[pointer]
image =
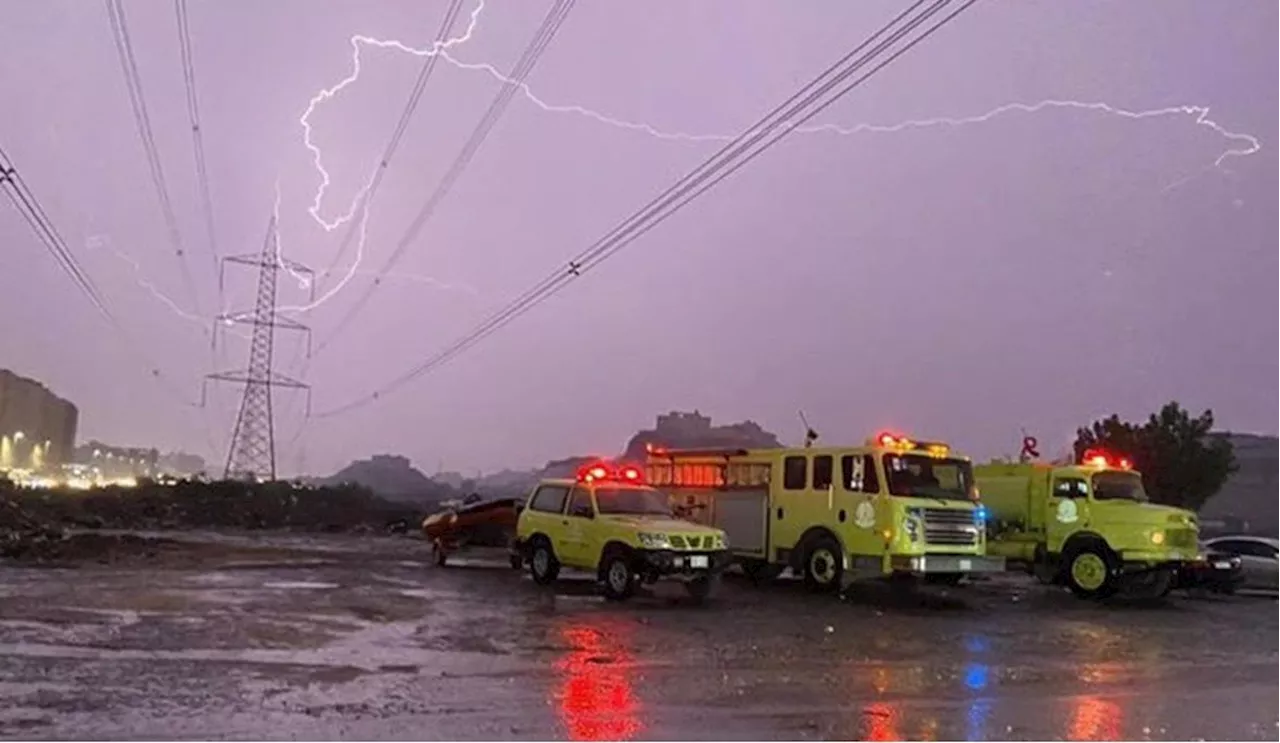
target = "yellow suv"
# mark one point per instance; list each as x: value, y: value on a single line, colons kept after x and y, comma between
x: 608, y: 522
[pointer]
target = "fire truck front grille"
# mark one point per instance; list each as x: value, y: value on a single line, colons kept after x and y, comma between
x: 952, y: 527
x: 1182, y: 538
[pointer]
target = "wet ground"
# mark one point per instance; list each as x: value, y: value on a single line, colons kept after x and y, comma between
x: 345, y: 637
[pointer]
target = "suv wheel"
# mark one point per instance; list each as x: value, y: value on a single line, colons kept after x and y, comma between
x: 619, y: 581
x: 543, y: 565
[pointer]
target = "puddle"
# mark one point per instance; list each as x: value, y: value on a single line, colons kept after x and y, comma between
x: 300, y: 584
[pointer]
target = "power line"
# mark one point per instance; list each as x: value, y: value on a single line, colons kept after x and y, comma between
x: 542, y: 38
x: 787, y: 117
x: 197, y: 136
x: 411, y: 105
x: 26, y: 204
x: 25, y: 201
x: 142, y: 121
x: 551, y: 24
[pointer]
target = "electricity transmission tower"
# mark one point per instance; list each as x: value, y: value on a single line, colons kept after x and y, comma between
x: 252, y: 454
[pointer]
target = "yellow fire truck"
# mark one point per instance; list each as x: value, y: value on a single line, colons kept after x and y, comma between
x: 1088, y: 525
x: 893, y: 506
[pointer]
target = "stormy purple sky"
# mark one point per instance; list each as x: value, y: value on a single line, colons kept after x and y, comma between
x: 959, y: 282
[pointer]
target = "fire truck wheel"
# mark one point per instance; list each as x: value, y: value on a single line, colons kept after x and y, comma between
x: 543, y: 565
x: 823, y: 567
x: 619, y: 581
x: 1090, y: 572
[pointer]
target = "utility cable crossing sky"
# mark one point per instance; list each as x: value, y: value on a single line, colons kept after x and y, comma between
x: 1241, y: 144
x: 445, y: 49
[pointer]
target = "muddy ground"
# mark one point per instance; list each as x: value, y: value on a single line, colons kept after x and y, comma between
x: 278, y: 637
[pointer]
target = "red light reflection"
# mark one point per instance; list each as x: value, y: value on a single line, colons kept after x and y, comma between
x: 880, y: 721
x: 595, y: 698
x: 1094, y: 718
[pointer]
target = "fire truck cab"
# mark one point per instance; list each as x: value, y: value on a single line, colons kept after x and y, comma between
x: 893, y: 506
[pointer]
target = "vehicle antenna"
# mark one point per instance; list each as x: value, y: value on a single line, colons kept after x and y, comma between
x: 810, y: 435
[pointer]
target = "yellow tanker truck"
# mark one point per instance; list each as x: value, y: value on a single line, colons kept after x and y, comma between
x: 1088, y: 525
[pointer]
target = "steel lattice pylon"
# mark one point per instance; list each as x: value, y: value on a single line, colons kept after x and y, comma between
x: 252, y: 454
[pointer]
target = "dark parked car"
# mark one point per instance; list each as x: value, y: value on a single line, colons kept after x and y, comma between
x: 1258, y: 559
x: 1214, y: 571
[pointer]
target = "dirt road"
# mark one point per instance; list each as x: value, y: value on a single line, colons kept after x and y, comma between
x: 345, y: 637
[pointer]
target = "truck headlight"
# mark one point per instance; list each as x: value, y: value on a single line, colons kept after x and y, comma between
x: 654, y: 541
x: 1157, y: 536
x: 912, y: 527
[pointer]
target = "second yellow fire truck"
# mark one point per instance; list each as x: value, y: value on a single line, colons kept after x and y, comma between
x: 893, y: 506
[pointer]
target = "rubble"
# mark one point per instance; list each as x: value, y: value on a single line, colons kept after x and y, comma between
x: 34, y: 521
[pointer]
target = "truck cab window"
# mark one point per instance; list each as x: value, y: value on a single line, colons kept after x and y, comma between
x: 1070, y: 487
x: 858, y: 473
x: 549, y: 499
x: 822, y: 470
x: 795, y: 473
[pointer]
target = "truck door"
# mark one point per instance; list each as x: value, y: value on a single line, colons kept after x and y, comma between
x: 860, y: 478
x: 1067, y: 510
x: 577, y: 527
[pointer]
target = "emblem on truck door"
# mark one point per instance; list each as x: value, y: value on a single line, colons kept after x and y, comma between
x: 1067, y: 513
x: 865, y: 515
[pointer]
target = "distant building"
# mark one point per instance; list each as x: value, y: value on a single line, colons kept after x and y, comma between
x: 119, y: 461
x: 683, y: 430
x: 37, y: 428
x: 1249, y: 501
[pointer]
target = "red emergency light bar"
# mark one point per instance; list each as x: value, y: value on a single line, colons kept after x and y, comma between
x: 606, y: 472
x: 1100, y: 458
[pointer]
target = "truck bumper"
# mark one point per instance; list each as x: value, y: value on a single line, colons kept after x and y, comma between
x: 1153, y: 558
x: 654, y: 564
x: 947, y: 564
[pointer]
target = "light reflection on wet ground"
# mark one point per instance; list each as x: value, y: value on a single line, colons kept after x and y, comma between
x: 361, y: 639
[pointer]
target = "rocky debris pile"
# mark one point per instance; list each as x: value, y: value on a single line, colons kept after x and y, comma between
x: 21, y: 531
x: 30, y: 518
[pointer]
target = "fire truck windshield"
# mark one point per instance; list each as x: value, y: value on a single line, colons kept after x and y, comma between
x: 1112, y: 485
x: 928, y: 477
x: 632, y: 501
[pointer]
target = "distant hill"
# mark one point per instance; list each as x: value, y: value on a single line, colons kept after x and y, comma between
x: 1252, y: 493
x: 393, y: 477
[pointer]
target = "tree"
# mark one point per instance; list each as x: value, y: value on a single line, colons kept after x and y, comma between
x: 1181, y: 462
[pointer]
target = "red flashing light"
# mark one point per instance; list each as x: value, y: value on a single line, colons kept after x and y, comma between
x: 888, y: 439
x: 1100, y: 458
x: 603, y: 471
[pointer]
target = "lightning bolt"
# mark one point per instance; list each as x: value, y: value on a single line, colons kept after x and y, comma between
x: 326, y: 94
x: 1241, y: 144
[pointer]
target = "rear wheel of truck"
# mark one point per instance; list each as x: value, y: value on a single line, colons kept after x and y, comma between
x: 619, y: 581
x: 823, y: 567
x: 543, y: 565
x: 1090, y: 572
x: 703, y: 588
